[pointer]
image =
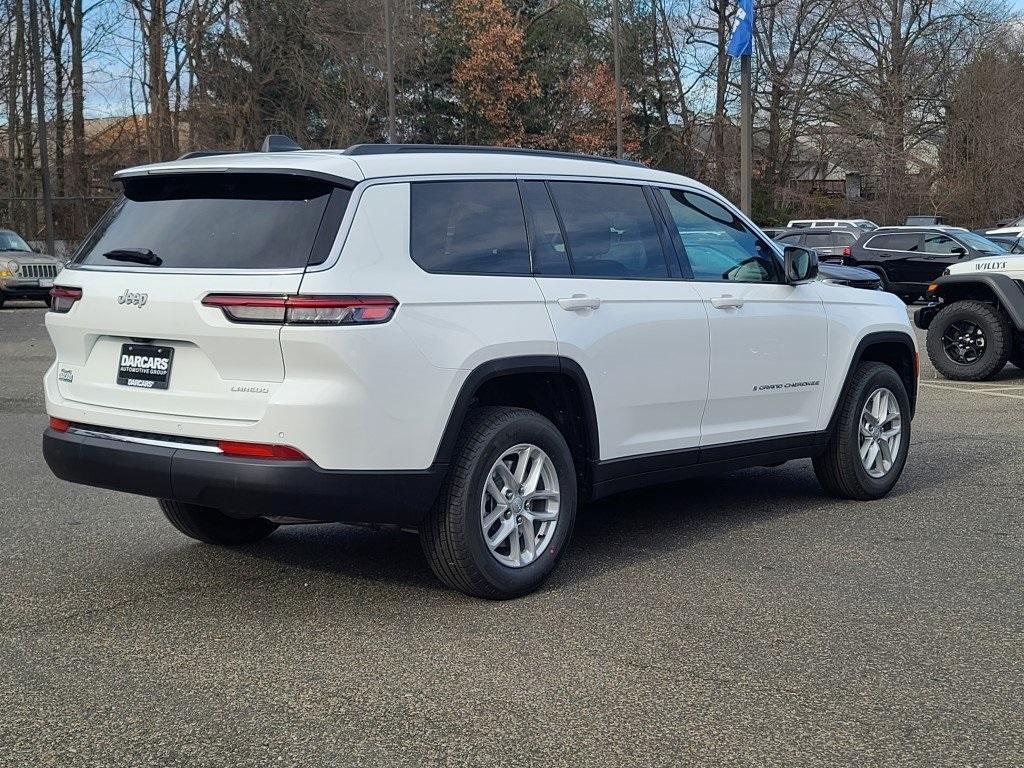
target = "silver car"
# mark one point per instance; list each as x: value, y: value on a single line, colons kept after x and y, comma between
x: 24, y: 274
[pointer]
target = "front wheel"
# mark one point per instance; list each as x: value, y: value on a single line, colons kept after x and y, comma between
x: 507, y: 508
x: 212, y: 526
x: 969, y: 340
x: 867, y: 450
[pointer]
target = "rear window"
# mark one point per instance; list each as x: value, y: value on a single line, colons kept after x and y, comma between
x: 469, y: 227
x: 220, y: 221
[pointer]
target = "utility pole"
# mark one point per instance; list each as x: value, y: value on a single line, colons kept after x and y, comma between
x: 44, y: 146
x: 618, y: 78
x: 389, y: 52
x: 746, y: 133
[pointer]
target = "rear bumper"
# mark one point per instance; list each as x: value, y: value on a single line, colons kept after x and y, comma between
x: 249, y: 487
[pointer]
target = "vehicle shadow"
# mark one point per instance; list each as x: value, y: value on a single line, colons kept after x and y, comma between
x: 610, y: 535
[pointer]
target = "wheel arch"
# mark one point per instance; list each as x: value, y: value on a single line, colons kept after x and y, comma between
x: 999, y: 289
x: 894, y: 348
x: 554, y: 386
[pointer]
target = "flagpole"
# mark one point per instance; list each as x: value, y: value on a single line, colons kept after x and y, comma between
x: 746, y: 135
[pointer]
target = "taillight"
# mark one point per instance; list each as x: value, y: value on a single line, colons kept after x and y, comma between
x: 304, y: 310
x: 259, y: 450
x: 59, y: 425
x: 847, y: 252
x: 63, y: 299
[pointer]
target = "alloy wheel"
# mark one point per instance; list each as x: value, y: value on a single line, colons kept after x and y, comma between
x: 964, y: 342
x: 519, y: 505
x: 881, y: 432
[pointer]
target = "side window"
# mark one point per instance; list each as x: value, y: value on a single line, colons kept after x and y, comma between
x: 611, y: 230
x: 718, y: 245
x: 901, y: 242
x: 789, y: 239
x: 940, y: 244
x: 546, y: 244
x: 468, y: 227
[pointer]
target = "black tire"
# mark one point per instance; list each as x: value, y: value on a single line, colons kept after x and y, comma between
x: 2, y: 299
x: 995, y: 329
x: 839, y: 468
x: 452, y: 536
x: 212, y: 526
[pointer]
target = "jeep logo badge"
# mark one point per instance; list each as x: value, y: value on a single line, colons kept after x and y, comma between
x: 131, y: 297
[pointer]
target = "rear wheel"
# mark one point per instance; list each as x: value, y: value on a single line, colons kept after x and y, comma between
x: 868, y: 447
x: 212, y: 526
x: 969, y: 340
x: 507, y: 509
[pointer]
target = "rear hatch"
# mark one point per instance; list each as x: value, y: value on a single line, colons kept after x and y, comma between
x: 140, y: 339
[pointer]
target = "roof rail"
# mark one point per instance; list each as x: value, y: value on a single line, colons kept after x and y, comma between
x: 208, y: 153
x: 394, y: 149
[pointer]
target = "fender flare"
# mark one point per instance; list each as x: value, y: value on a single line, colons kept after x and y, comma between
x: 1007, y: 291
x: 529, y: 364
x: 869, y: 340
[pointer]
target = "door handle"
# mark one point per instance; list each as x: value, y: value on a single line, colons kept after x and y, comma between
x: 579, y: 301
x: 727, y: 302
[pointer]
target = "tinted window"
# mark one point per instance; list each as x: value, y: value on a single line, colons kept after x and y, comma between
x: 610, y: 229
x: 474, y: 227
x: 791, y: 239
x: 934, y: 243
x: 844, y: 238
x: 546, y: 245
x: 902, y: 242
x: 717, y: 244
x: 818, y: 240
x: 230, y: 221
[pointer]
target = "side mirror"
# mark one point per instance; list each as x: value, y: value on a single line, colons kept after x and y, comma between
x: 959, y: 252
x: 801, y: 264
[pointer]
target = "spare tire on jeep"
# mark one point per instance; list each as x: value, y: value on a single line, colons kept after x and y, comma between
x: 970, y: 340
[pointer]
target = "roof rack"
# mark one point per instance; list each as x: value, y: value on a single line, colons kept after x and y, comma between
x: 395, y: 149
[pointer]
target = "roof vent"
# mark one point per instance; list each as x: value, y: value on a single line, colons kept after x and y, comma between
x: 277, y: 143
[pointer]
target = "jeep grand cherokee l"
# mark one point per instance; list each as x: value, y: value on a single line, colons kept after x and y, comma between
x: 465, y: 342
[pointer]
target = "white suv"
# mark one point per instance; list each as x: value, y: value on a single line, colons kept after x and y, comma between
x: 467, y: 342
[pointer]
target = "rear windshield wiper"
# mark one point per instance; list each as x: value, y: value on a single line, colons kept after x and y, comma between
x: 138, y: 255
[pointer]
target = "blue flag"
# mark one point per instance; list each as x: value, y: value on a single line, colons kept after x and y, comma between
x: 742, y: 41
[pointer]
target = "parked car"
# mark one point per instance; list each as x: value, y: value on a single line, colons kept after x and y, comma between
x: 909, y: 258
x: 1012, y: 243
x: 853, y: 277
x: 976, y: 324
x: 925, y: 220
x: 861, y: 224
x: 384, y: 335
x: 1014, y: 230
x: 24, y: 273
x: 830, y: 243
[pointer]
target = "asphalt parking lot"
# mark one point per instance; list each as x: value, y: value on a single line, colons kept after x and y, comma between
x: 741, y: 620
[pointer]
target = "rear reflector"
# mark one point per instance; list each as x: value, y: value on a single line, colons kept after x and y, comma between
x: 259, y: 450
x: 62, y: 299
x: 304, y: 310
x: 60, y: 425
